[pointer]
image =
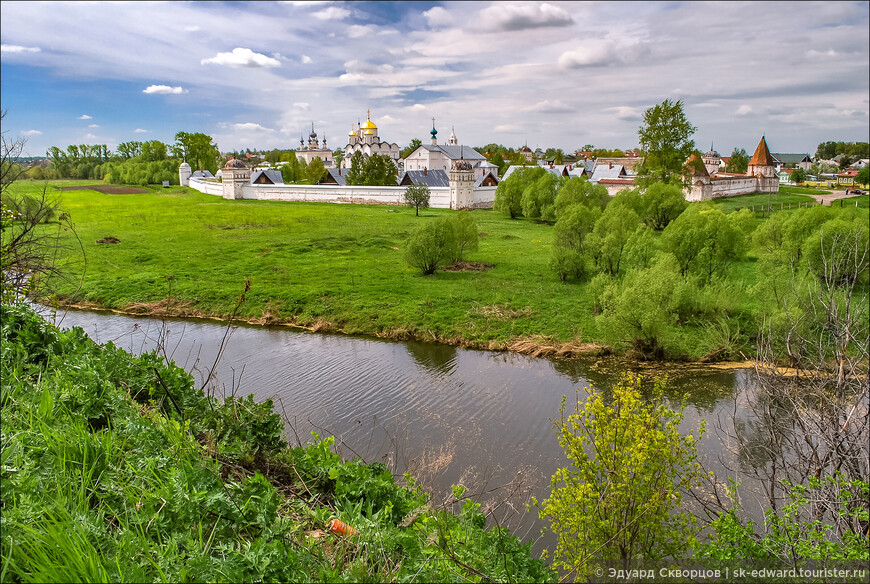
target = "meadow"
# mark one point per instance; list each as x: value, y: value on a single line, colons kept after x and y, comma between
x: 333, y: 267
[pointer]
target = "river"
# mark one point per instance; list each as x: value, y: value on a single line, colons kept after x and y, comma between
x: 447, y: 415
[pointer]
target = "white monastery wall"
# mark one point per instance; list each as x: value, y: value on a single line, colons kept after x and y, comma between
x: 483, y: 197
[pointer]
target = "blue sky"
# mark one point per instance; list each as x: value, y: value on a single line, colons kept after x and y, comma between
x: 561, y: 74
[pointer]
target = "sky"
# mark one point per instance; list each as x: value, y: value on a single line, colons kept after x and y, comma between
x: 546, y: 74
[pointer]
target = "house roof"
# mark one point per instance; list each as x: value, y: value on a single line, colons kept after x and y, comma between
x: 479, y: 181
x: 455, y: 152
x: 274, y: 176
x: 762, y: 155
x: 607, y: 171
x: 202, y: 174
x: 790, y: 158
x: 432, y: 178
x: 629, y: 162
x: 335, y: 175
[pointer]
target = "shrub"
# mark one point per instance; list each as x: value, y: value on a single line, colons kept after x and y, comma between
x: 466, y: 231
x: 431, y: 246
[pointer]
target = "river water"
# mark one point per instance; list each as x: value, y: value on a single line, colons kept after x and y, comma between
x: 447, y: 415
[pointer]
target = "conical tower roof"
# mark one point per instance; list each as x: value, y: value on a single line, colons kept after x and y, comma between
x: 696, y: 165
x: 762, y: 155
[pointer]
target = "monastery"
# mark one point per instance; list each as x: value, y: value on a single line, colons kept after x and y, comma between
x: 365, y: 139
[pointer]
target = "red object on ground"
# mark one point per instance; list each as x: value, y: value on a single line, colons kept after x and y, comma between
x: 340, y: 527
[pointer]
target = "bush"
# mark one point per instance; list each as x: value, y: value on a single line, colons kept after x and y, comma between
x: 431, y: 246
x: 466, y: 231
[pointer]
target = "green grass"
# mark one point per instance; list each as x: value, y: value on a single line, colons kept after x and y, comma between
x: 863, y: 202
x: 788, y: 196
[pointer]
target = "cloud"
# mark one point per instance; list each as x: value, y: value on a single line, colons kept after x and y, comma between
x: 551, y: 107
x: 140, y: 131
x: 18, y: 49
x: 815, y: 54
x: 332, y: 13
x: 164, y: 90
x: 241, y: 57
x: 629, y: 114
x: 523, y: 16
x: 306, y: 59
x: 591, y: 55
x: 32, y: 133
x: 507, y: 128
x: 437, y: 17
x: 418, y: 107
x: 90, y: 136
x: 743, y: 110
x: 94, y: 125
x: 251, y: 127
x: 84, y: 117
x: 304, y: 106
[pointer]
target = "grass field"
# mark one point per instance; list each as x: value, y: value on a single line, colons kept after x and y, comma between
x: 329, y: 267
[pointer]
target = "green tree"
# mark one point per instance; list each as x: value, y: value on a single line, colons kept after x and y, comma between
x: 431, y: 246
x: 197, y: 149
x: 415, y: 143
x: 610, y: 236
x: 539, y: 197
x: 379, y: 170
x: 661, y: 204
x: 314, y: 171
x: 129, y: 150
x: 417, y: 196
x: 665, y: 138
x: 355, y: 174
x: 863, y: 176
x: 570, y: 233
x: 465, y: 230
x: 738, y: 163
x: 619, y: 500
x: 509, y: 193
x: 578, y: 190
x: 798, y: 175
x: 705, y: 241
x: 826, y: 150
x: 152, y: 151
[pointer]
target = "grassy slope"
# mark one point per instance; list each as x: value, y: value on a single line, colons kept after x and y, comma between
x: 332, y: 266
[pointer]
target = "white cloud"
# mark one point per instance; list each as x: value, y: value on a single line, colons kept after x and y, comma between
x: 164, y: 90
x: 306, y: 59
x: 18, y: 49
x: 140, y: 131
x: 84, y: 117
x: 590, y: 55
x: 743, y: 110
x: 242, y: 57
x: 630, y: 114
x: 191, y: 28
x: 332, y: 13
x: 90, y: 136
x: 418, y: 107
x: 520, y: 16
x: 829, y: 53
x: 94, y: 125
x: 32, y: 133
x: 507, y: 128
x: 549, y: 106
x: 251, y: 127
x: 304, y: 106
x: 437, y: 16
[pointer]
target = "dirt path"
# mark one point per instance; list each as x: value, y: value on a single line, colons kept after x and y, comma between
x: 834, y: 196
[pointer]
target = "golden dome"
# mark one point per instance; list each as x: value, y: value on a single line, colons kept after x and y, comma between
x: 369, y: 132
x: 351, y: 133
x: 369, y: 125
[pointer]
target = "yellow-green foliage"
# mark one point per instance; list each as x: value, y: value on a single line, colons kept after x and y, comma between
x: 620, y: 498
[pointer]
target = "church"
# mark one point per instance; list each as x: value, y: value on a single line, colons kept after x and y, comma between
x: 365, y: 139
x: 313, y: 150
x: 435, y: 156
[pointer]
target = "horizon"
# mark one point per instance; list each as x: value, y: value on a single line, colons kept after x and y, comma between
x: 546, y: 74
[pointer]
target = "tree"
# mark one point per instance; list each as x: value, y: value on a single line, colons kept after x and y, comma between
x: 374, y: 170
x: 509, y: 193
x: 578, y: 190
x: 863, y: 176
x: 466, y: 232
x: 798, y: 175
x: 610, y: 236
x: 620, y: 497
x: 431, y: 246
x: 129, y: 150
x: 661, y: 204
x: 705, y: 241
x: 539, y: 197
x: 355, y: 172
x: 152, y: 151
x: 415, y: 143
x: 314, y: 171
x: 417, y: 196
x: 575, y: 223
x: 739, y: 161
x: 197, y: 149
x: 29, y: 248
x: 665, y: 138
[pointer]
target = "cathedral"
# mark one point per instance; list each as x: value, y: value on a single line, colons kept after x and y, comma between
x: 365, y: 139
x: 313, y: 150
